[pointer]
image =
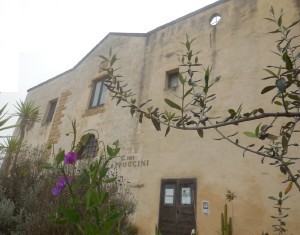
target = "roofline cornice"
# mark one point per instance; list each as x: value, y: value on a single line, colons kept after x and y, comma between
x: 132, y: 35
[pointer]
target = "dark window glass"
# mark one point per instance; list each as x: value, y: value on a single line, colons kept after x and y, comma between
x: 172, y: 79
x: 51, y: 110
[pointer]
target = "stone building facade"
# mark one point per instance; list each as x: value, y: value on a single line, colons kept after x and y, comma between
x: 160, y: 169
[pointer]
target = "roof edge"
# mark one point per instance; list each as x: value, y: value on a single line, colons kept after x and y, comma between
x: 87, y: 55
x: 132, y: 35
x: 188, y: 16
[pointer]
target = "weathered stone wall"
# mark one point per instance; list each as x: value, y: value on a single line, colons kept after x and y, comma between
x: 55, y: 133
x: 238, y: 48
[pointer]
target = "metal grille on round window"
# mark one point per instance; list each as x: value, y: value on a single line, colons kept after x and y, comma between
x: 87, y: 147
x: 91, y: 148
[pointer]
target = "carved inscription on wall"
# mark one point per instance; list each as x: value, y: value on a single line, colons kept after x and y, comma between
x: 130, y: 161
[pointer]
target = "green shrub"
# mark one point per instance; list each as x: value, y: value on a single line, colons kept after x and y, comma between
x: 7, y: 208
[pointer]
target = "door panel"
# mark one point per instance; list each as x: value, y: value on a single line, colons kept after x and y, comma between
x: 177, y: 206
x: 167, y: 216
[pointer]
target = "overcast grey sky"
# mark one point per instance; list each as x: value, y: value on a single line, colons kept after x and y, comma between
x: 43, y: 38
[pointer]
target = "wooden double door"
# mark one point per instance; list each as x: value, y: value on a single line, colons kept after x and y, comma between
x: 177, y: 212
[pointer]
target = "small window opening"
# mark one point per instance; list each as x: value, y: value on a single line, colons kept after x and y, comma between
x: 52, y: 105
x: 215, y: 19
x: 172, y: 79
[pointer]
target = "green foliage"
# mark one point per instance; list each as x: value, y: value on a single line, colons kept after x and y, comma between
x: 226, y: 223
x: 26, y: 202
x: 94, y: 203
x: 172, y: 104
x: 4, y: 119
x: 230, y: 196
x: 280, y: 226
x: 28, y: 193
x: 10, y: 148
x: 28, y: 114
x: 11, y: 145
x: 286, y: 79
x: 157, y: 232
x: 91, y: 205
x: 7, y: 208
x: 285, y: 75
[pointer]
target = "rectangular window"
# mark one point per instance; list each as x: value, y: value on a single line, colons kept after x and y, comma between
x: 99, y: 93
x: 51, y: 110
x: 169, y: 194
x: 186, y: 196
x: 172, y: 79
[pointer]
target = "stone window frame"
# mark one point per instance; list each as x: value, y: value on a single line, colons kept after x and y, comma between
x: 50, y: 111
x: 169, y: 77
x: 87, y: 141
x: 100, y: 77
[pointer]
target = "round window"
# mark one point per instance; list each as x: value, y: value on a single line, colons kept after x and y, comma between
x: 215, y: 19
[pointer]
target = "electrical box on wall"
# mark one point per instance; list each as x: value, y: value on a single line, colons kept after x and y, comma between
x: 205, y: 207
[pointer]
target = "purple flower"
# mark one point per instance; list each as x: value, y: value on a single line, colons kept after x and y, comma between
x: 60, y: 185
x: 70, y: 158
x: 55, y: 191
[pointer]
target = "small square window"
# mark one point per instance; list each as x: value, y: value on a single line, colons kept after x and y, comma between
x: 51, y: 109
x: 172, y: 79
x: 99, y: 93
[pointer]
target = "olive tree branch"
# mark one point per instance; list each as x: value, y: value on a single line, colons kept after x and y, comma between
x: 240, y: 120
x: 274, y: 157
